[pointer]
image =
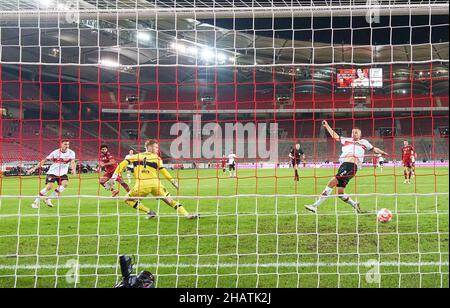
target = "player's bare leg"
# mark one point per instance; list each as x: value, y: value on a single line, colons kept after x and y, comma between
x: 408, y: 175
x: 47, y: 200
x: 56, y: 193
x: 114, y: 191
x: 124, y: 185
x: 42, y: 196
x: 405, y: 175
x: 325, y: 194
x: 413, y: 167
x: 179, y: 208
x: 346, y: 198
x: 296, y: 177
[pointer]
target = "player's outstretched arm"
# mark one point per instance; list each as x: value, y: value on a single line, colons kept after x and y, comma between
x: 379, y: 151
x: 166, y: 174
x: 414, y: 155
x: 332, y: 133
x: 123, y: 164
x: 39, y: 165
x: 73, y: 165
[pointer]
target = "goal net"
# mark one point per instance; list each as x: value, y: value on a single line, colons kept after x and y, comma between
x: 227, y: 89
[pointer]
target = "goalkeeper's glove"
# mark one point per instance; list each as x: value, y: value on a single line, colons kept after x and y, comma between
x: 175, y: 184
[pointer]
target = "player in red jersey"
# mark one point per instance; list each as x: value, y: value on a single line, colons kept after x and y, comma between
x: 409, y: 159
x: 224, y: 164
x: 108, y: 162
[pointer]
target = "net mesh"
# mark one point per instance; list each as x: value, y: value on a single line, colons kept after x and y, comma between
x: 207, y: 78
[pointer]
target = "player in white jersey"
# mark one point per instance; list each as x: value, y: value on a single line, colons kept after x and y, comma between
x: 57, y: 173
x: 380, y: 161
x: 353, y: 151
x: 232, y: 164
x: 130, y: 167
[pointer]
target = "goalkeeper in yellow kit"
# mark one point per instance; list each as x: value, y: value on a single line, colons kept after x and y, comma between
x: 148, y: 167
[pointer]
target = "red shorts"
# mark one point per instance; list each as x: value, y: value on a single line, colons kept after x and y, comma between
x: 407, y: 163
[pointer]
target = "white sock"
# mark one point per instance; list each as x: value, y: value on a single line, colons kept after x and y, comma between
x: 326, y: 192
x: 347, y: 199
x: 42, y: 193
x: 58, y: 191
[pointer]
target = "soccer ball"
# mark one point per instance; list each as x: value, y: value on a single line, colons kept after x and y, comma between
x: 384, y: 215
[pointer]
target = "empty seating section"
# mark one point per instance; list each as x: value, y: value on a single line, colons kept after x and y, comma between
x: 33, y: 139
x: 230, y: 97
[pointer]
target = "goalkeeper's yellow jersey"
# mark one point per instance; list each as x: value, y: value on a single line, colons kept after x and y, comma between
x: 146, y: 166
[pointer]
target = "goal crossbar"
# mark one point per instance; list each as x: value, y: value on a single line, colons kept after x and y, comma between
x: 239, y: 12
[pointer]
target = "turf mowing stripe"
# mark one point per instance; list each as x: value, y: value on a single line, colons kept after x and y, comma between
x: 236, y: 196
x: 226, y: 265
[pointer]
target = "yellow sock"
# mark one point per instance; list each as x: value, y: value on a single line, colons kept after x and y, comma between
x: 180, y: 209
x: 137, y: 205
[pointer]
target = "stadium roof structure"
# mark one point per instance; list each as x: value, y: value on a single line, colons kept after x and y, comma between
x: 250, y: 47
x: 240, y: 8
x: 136, y: 40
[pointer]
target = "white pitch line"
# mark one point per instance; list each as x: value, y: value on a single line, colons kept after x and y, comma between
x: 223, y: 265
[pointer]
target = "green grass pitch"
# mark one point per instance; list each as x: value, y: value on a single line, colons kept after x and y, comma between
x: 246, y: 241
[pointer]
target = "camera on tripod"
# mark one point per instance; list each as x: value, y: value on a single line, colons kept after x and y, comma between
x: 132, y: 99
x: 145, y: 280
